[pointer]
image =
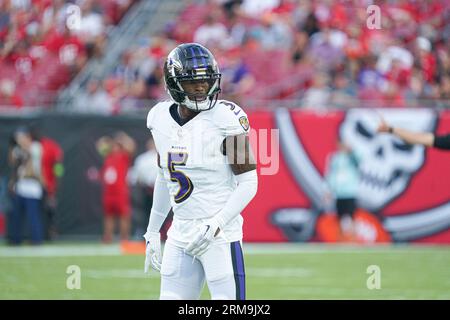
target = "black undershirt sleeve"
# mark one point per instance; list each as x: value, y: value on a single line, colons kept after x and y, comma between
x: 442, y: 142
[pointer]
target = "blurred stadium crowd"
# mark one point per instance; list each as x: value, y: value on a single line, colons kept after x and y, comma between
x: 316, y: 54
x: 40, y: 53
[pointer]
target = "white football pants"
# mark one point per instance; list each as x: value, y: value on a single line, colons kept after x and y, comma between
x: 222, y: 266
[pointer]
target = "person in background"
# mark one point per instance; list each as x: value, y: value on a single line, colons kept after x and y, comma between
x: 117, y: 151
x: 237, y: 78
x: 52, y: 169
x: 342, y: 177
x: 427, y: 139
x: 95, y: 99
x: 143, y: 175
x: 26, y: 185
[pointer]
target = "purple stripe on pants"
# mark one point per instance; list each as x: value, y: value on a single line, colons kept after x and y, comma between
x: 240, y: 270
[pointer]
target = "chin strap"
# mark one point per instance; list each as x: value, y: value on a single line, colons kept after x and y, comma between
x: 212, y: 99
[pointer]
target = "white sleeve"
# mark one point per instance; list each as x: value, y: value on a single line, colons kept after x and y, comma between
x: 161, y: 205
x: 230, y: 119
x: 150, y: 118
x: 239, y: 198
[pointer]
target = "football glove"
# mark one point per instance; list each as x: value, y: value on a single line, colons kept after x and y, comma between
x: 208, y: 230
x: 153, y: 252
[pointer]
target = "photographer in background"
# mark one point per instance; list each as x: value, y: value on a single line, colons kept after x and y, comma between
x: 26, y: 186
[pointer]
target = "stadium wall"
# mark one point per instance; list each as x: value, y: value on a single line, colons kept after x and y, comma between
x: 406, y: 197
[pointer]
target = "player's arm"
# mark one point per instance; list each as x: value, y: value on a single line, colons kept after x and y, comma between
x: 158, y: 214
x: 243, y: 165
x: 424, y: 138
x: 241, y: 158
x: 161, y: 204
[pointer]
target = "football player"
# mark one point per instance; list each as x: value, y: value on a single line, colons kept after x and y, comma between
x: 207, y: 176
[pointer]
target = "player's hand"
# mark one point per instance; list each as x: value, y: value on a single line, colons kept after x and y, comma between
x: 153, y: 252
x: 208, y: 230
x: 382, y: 126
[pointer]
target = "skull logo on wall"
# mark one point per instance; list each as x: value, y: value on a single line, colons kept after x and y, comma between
x: 388, y: 163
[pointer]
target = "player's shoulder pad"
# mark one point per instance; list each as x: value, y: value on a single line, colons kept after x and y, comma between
x: 230, y: 118
x: 156, y: 111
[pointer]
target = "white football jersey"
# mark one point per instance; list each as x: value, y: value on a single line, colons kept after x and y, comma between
x: 198, y: 175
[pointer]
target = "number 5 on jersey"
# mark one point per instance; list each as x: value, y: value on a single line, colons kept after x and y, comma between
x: 186, y: 186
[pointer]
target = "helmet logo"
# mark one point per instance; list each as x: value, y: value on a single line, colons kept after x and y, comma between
x: 174, y: 64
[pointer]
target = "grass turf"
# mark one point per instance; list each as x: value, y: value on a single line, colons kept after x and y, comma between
x: 286, y: 271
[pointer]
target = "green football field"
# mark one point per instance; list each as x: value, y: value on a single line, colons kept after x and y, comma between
x: 274, y: 271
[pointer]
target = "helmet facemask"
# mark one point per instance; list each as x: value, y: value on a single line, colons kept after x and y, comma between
x: 200, y: 101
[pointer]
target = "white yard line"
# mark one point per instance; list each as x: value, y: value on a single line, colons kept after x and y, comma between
x: 60, y: 251
x: 319, y: 248
x: 278, y: 272
x: 251, y: 272
x: 68, y: 250
x: 119, y: 273
x: 321, y: 292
